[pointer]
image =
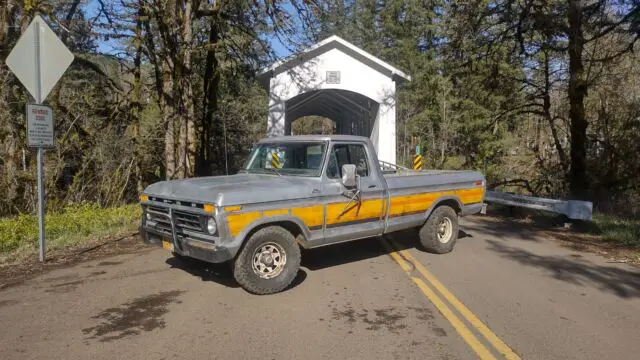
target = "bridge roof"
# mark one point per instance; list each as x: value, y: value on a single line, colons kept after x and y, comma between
x: 327, y: 44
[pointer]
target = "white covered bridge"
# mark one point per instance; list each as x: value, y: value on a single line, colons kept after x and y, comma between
x: 337, y: 80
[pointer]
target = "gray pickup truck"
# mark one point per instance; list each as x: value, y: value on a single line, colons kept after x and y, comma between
x: 307, y: 191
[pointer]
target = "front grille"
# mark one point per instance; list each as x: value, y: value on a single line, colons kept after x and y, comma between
x: 160, y: 216
x: 188, y: 221
x: 183, y: 220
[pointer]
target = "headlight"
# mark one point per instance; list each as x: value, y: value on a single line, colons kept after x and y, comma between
x: 212, y: 227
x: 148, y: 216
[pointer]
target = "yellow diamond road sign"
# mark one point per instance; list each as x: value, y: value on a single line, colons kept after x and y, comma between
x: 51, y: 58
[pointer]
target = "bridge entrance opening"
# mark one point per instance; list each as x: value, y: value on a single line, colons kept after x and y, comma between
x: 351, y: 113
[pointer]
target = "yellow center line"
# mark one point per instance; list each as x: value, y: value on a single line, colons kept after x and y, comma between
x: 466, y: 334
x: 493, y: 339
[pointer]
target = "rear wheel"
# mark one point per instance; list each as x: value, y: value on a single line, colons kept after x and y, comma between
x: 268, y: 262
x: 440, y: 233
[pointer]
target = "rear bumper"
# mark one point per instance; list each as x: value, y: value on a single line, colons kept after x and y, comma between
x: 202, y: 250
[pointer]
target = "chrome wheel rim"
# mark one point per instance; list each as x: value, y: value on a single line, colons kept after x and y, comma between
x: 445, y: 230
x: 269, y: 260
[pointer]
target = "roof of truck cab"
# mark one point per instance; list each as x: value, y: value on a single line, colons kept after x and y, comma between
x: 315, y: 138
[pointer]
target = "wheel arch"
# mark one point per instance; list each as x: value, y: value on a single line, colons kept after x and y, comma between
x: 290, y: 223
x: 451, y: 201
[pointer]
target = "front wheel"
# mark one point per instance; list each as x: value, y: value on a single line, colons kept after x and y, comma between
x: 440, y: 233
x: 268, y: 262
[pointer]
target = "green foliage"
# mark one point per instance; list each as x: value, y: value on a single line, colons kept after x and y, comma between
x: 615, y: 231
x: 72, y: 225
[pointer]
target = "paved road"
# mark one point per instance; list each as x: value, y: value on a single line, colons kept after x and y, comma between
x: 503, y: 292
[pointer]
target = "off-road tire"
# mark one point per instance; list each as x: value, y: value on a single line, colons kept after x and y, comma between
x: 243, y: 271
x: 429, y: 231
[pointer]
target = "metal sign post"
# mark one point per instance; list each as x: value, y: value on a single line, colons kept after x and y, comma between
x: 39, y: 77
x: 41, y: 237
x: 40, y: 134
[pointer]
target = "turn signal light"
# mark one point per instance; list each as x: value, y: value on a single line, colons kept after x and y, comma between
x: 209, y: 208
x: 144, y: 198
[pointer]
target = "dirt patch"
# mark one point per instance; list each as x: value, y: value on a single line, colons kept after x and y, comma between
x: 389, y: 319
x: 62, y: 278
x: 7, y: 302
x: 15, y: 273
x: 134, y: 317
x: 109, y: 263
x: 64, y: 287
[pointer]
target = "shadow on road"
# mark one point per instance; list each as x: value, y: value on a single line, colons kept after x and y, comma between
x: 340, y: 254
x: 501, y: 227
x: 615, y: 280
x: 313, y: 259
x: 218, y: 273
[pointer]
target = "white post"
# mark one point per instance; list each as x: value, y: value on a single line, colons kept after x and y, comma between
x: 384, y: 133
x: 276, y: 121
x: 41, y: 237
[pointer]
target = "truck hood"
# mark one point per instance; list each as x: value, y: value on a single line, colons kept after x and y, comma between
x: 235, y: 189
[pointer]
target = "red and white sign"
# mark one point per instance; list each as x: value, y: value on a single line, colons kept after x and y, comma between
x: 40, y: 126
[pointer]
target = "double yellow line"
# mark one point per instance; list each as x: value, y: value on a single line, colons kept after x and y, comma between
x: 408, y: 263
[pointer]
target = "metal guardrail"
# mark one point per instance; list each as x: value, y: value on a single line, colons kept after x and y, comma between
x: 573, y: 209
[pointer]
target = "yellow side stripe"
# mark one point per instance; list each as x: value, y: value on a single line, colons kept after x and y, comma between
x: 313, y: 216
x: 276, y: 212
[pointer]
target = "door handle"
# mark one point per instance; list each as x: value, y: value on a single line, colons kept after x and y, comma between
x: 315, y: 191
x: 371, y: 186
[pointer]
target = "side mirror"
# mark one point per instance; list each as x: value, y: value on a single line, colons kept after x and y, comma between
x: 349, y: 175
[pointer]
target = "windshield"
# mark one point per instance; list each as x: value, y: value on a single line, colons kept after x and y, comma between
x: 294, y: 158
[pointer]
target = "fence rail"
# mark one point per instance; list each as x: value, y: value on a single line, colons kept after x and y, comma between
x: 573, y: 209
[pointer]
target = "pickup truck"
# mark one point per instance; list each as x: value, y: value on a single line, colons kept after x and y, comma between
x: 303, y: 191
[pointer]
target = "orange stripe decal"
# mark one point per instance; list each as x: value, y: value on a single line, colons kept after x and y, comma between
x: 367, y: 209
x: 311, y: 216
x: 237, y: 222
x: 275, y: 212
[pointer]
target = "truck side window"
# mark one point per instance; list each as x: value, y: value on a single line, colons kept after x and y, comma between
x: 332, y: 170
x: 359, y: 159
x: 342, y: 154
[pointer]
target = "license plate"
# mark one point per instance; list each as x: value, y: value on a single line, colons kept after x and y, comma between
x: 167, y: 245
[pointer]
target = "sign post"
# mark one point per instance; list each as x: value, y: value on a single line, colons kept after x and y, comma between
x: 417, y: 159
x: 38, y: 60
x: 40, y: 134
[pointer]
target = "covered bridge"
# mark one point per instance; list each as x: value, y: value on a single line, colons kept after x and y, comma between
x: 337, y: 80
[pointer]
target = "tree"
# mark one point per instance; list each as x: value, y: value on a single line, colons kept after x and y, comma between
x: 582, y: 25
